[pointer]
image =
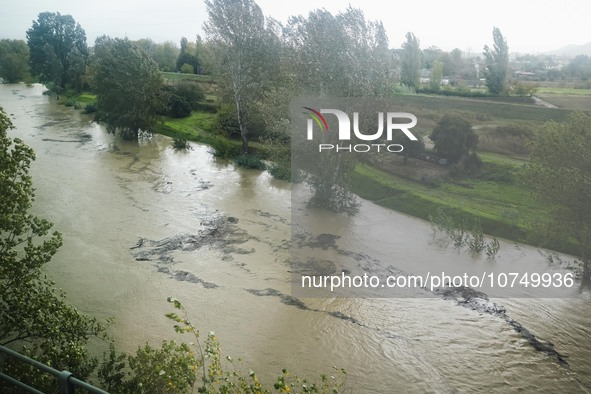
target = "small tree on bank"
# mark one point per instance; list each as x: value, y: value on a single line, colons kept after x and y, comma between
x: 14, y: 61
x: 128, y: 87
x: 243, y: 51
x: 559, y: 172
x: 454, y: 137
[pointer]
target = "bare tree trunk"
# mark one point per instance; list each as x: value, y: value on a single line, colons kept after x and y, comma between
x: 243, y: 131
x: 244, y: 141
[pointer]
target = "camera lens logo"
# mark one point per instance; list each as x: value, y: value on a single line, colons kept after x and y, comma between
x: 344, y: 130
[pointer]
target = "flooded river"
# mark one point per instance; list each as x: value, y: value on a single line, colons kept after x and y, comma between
x: 113, y: 200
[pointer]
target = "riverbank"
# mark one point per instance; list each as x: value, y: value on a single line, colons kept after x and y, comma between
x: 504, y: 208
x: 495, y: 196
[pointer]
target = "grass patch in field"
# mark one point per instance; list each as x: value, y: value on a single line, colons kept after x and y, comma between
x: 563, y: 91
x: 201, y: 127
x: 198, y: 127
x: 172, y: 76
x: 85, y: 98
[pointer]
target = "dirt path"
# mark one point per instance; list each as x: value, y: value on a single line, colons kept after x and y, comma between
x: 543, y: 103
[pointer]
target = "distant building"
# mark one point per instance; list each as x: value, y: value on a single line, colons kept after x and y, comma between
x: 524, y: 75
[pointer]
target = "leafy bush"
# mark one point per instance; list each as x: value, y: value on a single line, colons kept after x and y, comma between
x: 454, y: 137
x: 278, y: 152
x: 187, y: 69
x: 472, y: 163
x: 228, y: 121
x: 179, y: 107
x: 90, y: 108
x: 190, y: 91
x: 71, y: 102
x: 467, y: 233
x: 250, y: 161
x: 497, y: 173
x: 178, y: 368
x: 180, y: 143
x: 524, y: 89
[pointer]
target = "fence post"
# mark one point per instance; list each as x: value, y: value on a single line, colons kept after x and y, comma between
x: 64, y: 385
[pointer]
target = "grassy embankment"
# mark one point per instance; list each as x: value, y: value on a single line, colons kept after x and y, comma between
x: 496, y: 196
x: 200, y: 126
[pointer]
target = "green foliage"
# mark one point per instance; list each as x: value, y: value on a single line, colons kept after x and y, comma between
x: 180, y: 144
x: 228, y: 122
x: 224, y: 148
x: 187, y: 56
x: 169, y: 369
x: 34, y: 317
x: 246, y: 54
x: 14, y: 61
x: 559, y: 172
x: 90, y: 108
x: 178, y: 368
x: 503, y: 210
x: 467, y: 233
x: 165, y: 55
x: 330, y: 189
x: 402, y: 89
x: 524, y: 89
x: 179, y: 107
x: 200, y: 127
x: 250, y: 161
x: 453, y: 137
x: 411, y: 62
x: 280, y: 157
x: 497, y: 64
x: 436, y: 75
x: 579, y: 67
x: 71, y: 102
x: 472, y: 163
x: 339, y: 55
x: 58, y: 50
x: 128, y: 87
x: 190, y: 91
x: 498, y: 173
x: 187, y: 69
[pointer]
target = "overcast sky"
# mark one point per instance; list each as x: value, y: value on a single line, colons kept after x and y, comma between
x: 528, y: 26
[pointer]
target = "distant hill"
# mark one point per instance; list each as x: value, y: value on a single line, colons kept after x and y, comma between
x: 572, y: 50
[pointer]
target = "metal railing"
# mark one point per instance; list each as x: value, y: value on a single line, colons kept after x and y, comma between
x: 67, y: 383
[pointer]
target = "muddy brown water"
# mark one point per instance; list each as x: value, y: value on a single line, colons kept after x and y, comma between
x: 106, y: 195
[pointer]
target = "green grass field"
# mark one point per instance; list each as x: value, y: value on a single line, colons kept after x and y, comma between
x: 172, y: 76
x: 563, y: 91
x: 504, y: 209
